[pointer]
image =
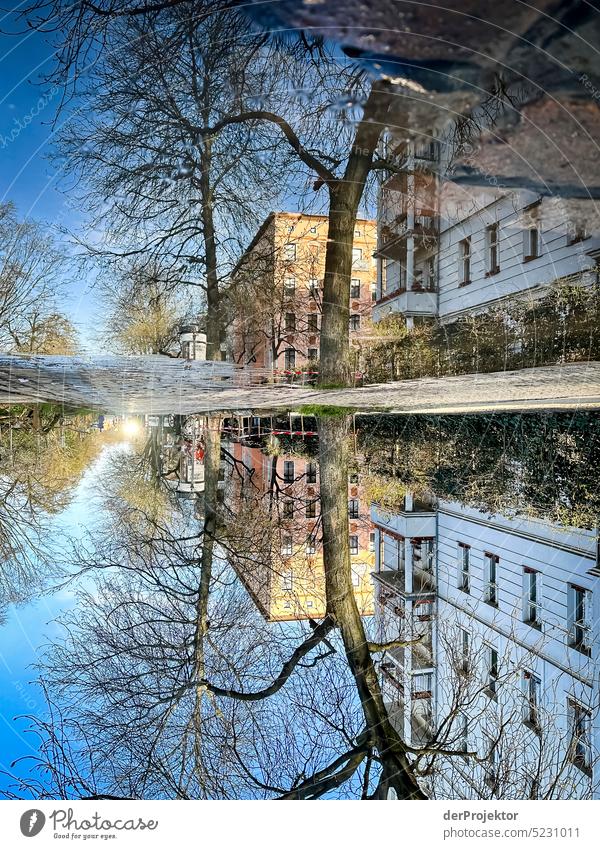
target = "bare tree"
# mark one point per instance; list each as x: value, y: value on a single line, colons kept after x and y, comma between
x: 143, y: 309
x: 178, y: 195
x: 32, y: 279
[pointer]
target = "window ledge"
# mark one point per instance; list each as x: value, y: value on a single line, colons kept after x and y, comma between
x: 464, y: 283
x: 493, y: 271
x: 535, y: 624
x: 586, y: 770
x: 491, y: 694
x: 585, y: 650
x: 531, y: 258
x: 493, y: 604
x: 533, y: 726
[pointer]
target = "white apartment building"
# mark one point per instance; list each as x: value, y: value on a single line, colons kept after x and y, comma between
x: 507, y: 667
x: 445, y: 250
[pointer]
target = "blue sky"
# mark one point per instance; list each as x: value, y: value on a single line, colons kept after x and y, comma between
x: 28, y: 108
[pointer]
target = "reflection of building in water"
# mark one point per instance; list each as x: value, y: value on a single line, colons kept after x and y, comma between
x: 445, y: 250
x: 182, y: 454
x: 507, y: 665
x: 276, y: 499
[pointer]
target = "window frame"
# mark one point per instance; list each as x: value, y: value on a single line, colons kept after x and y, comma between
x: 491, y: 564
x: 290, y: 252
x: 492, y: 249
x: 465, y: 248
x: 289, y: 359
x: 463, y: 563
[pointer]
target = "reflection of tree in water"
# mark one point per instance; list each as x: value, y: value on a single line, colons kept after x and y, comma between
x: 542, y: 465
x: 41, y: 464
x: 169, y: 684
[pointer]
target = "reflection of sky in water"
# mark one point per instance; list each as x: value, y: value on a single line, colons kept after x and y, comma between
x: 30, y: 627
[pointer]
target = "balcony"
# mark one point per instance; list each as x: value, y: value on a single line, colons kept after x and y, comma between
x: 403, y: 302
x: 421, y: 704
x: 394, y: 231
x: 423, y: 583
x: 420, y: 521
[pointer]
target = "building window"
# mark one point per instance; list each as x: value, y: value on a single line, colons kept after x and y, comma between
x: 580, y: 724
x: 355, y: 579
x: 491, y: 763
x: 311, y: 472
x: 532, y: 688
x: 577, y: 233
x: 491, y: 680
x: 289, y: 358
x: 312, y: 322
x: 356, y: 254
x: 490, y: 562
x: 532, y: 597
x: 373, y: 291
x: 355, y: 321
x: 464, y: 650
x: 372, y: 541
x: 400, y: 554
x: 431, y: 281
x: 422, y: 554
x: 492, y: 255
x: 313, y: 229
x: 288, y: 471
x: 311, y: 545
x: 309, y: 604
x: 463, y: 732
x: 463, y: 562
x: 289, y: 252
x: 313, y: 285
x: 353, y: 544
x: 290, y: 286
x: 355, y: 288
x: 313, y: 354
x: 290, y: 322
x: 287, y: 548
x: 353, y: 508
x: 288, y: 509
x: 531, y: 243
x: 464, y: 261
x: 579, y: 602
x: 311, y: 508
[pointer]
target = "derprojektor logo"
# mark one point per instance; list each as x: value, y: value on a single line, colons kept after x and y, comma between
x: 32, y: 822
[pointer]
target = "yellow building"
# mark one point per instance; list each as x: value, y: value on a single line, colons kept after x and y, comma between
x: 276, y: 293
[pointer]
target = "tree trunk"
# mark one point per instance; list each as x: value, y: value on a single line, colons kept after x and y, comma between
x: 335, y: 334
x: 334, y: 435
x: 212, y: 462
x: 345, y: 196
x: 214, y: 328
